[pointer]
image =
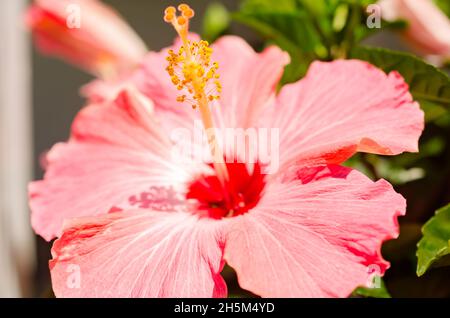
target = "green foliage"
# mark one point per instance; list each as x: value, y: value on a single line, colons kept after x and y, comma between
x: 429, y: 86
x: 444, y: 5
x: 380, y: 292
x: 434, y: 248
x: 290, y: 28
x: 308, y: 29
x: 216, y: 21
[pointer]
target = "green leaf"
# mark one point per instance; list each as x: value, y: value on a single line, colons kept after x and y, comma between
x: 279, y: 5
x: 292, y: 31
x: 380, y: 292
x: 433, y: 111
x: 216, y: 21
x: 429, y: 86
x: 307, y: 29
x: 434, y: 247
x: 444, y: 5
x: 340, y: 18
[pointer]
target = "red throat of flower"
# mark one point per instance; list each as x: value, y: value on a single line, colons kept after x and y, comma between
x: 242, y: 191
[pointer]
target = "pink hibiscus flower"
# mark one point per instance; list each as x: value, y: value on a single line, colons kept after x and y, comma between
x: 86, y: 33
x: 133, y: 220
x: 428, y: 27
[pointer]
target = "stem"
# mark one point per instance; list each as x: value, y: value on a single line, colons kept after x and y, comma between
x: 349, y: 39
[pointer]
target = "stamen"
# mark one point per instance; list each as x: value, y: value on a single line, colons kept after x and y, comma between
x: 193, y: 74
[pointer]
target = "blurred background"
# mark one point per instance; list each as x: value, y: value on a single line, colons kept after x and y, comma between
x: 39, y: 99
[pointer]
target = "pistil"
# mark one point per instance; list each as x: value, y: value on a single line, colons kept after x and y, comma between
x: 192, y: 71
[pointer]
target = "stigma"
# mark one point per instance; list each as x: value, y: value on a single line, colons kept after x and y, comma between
x: 190, y: 67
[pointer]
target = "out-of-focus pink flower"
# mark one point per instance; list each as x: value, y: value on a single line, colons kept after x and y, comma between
x: 313, y: 229
x: 428, y: 27
x: 86, y: 33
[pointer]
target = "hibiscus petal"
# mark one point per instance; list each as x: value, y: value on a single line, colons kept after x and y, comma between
x: 317, y: 233
x: 152, y: 80
x: 103, y: 44
x: 428, y: 27
x: 342, y: 107
x: 129, y: 121
x: 139, y: 254
x: 116, y: 151
x: 249, y: 79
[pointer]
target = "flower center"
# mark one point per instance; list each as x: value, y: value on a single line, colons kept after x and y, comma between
x: 241, y: 193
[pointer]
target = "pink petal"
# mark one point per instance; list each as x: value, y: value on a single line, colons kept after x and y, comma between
x: 139, y: 254
x: 428, y: 27
x: 249, y: 79
x: 116, y: 152
x: 103, y: 45
x: 129, y: 121
x: 152, y: 80
x: 342, y: 107
x: 317, y: 233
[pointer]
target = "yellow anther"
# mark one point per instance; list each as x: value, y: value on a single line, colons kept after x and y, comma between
x: 190, y: 67
x: 175, y: 80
